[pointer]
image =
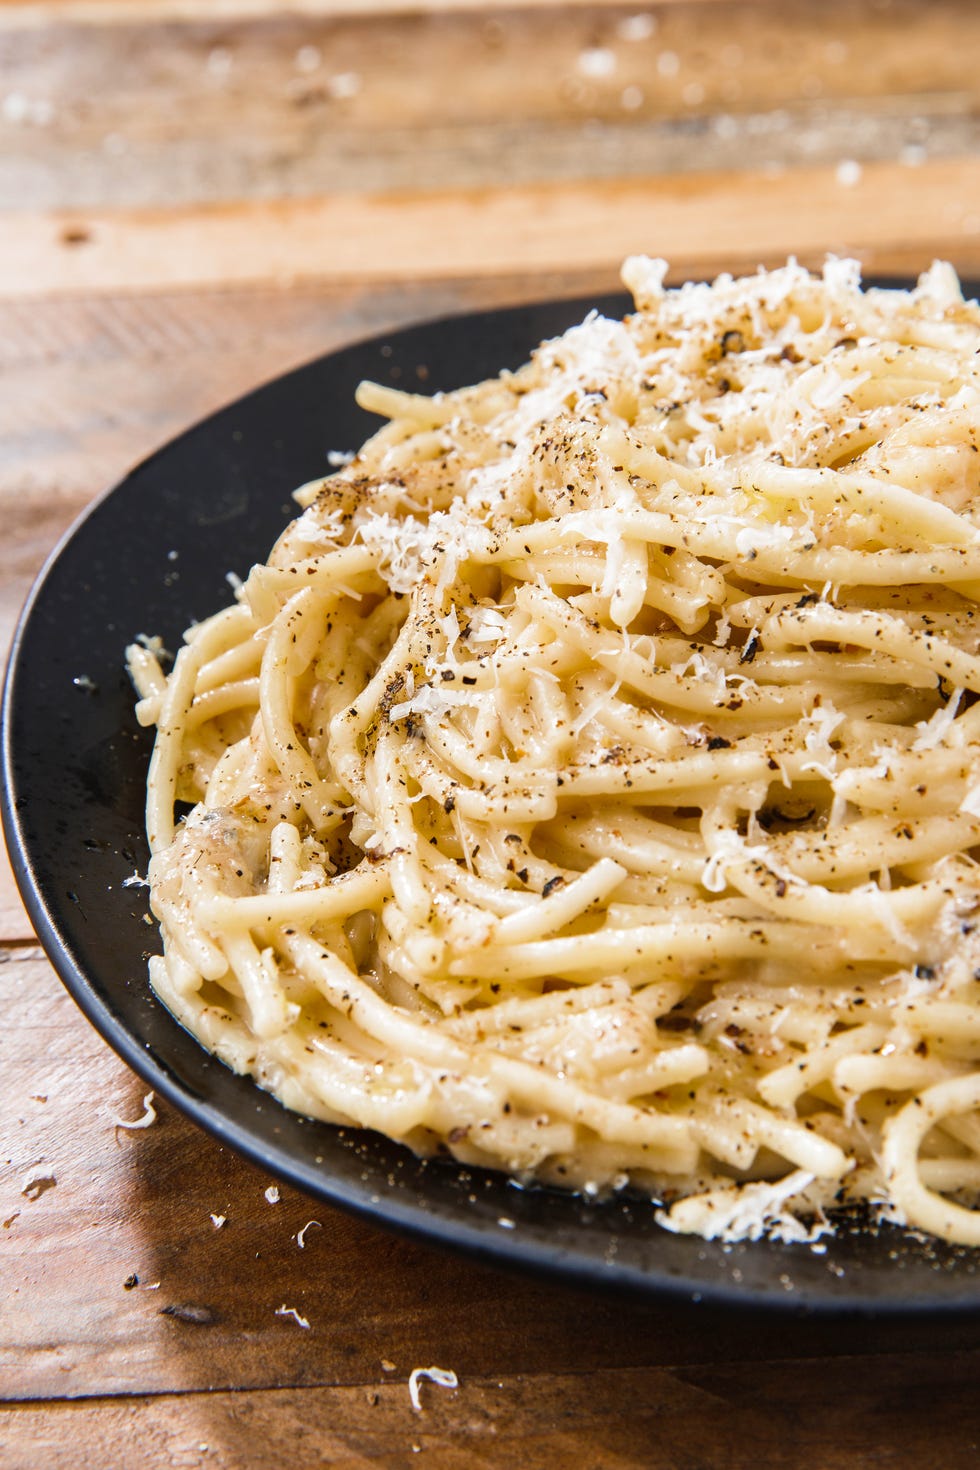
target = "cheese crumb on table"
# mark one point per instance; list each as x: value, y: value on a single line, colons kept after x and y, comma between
x: 444, y: 1377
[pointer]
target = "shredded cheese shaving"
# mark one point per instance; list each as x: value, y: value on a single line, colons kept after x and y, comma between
x: 148, y: 1116
x: 444, y: 1377
x: 301, y: 1234
x: 285, y: 1311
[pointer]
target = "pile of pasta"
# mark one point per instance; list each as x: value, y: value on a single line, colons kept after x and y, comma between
x: 589, y: 784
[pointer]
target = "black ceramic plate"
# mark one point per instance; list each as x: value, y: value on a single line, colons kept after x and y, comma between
x: 151, y: 557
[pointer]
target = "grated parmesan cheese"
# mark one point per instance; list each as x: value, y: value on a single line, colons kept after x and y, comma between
x: 285, y: 1311
x: 933, y: 732
x: 147, y: 1117
x: 444, y: 1377
x: 301, y: 1234
x: 36, y: 1183
x: 819, y: 726
x: 746, y: 1212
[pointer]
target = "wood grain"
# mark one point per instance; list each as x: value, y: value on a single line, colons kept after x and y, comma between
x: 121, y: 12
x: 763, y: 1417
x: 717, y: 219
x: 287, y: 105
x: 15, y: 926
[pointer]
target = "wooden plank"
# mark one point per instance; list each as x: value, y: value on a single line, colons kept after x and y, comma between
x: 15, y: 926
x: 163, y: 114
x: 72, y: 172
x: 124, y: 12
x: 141, y: 1204
x: 762, y: 1416
x: 327, y: 157
x: 725, y: 218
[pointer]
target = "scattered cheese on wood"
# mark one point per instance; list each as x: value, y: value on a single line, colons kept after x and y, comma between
x: 444, y: 1377
x: 285, y: 1311
x: 34, y: 1185
x: 149, y: 1116
x: 301, y: 1234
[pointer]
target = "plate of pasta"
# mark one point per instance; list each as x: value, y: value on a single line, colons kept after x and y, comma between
x: 563, y: 843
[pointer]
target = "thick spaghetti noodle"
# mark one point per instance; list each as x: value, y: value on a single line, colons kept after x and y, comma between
x: 589, y: 784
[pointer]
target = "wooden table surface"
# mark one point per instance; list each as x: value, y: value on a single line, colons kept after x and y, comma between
x: 194, y: 197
